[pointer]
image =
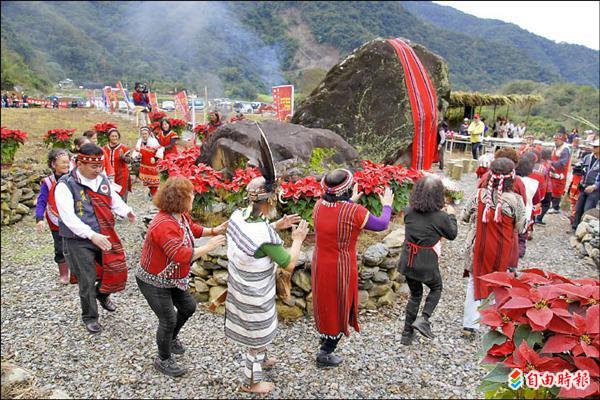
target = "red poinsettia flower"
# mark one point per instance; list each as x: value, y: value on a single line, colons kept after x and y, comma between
x: 305, y: 187
x: 585, y: 338
x: 156, y: 116
x: 242, y: 178
x: 526, y: 359
x: 104, y: 127
x: 502, y: 350
x: 14, y: 135
x: 494, y: 318
x: 58, y: 135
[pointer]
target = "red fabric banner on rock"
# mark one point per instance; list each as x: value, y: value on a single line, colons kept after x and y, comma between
x: 423, y: 102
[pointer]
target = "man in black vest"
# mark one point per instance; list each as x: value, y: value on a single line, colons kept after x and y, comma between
x: 589, y: 187
x: 85, y: 204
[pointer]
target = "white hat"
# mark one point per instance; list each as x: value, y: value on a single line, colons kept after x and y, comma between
x: 595, y: 143
x: 588, y: 131
x: 466, y: 119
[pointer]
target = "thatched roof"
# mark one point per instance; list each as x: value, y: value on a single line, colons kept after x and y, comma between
x: 476, y: 99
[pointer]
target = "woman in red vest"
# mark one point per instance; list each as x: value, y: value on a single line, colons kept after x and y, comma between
x: 500, y: 215
x: 114, y: 154
x: 149, y: 152
x: 58, y: 161
x: 338, y: 222
x: 167, y: 138
x: 561, y: 158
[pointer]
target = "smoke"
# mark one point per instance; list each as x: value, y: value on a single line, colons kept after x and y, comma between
x: 203, y: 38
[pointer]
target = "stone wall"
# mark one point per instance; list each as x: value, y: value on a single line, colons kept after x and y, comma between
x: 587, y: 237
x: 19, y: 190
x: 379, y: 282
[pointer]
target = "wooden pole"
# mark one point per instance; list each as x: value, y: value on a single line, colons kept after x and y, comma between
x: 494, y: 117
x: 507, y: 108
x: 205, y: 104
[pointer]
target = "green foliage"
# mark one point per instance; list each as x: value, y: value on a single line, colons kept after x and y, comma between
x: 7, y: 151
x: 303, y: 207
x: 65, y: 40
x: 548, y: 116
x: 321, y: 159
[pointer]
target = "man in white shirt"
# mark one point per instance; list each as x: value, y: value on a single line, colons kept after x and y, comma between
x: 85, y: 203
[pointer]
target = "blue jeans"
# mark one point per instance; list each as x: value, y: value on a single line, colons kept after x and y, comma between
x: 475, y: 150
x: 584, y: 202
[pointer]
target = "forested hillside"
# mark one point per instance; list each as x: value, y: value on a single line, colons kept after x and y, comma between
x: 240, y: 49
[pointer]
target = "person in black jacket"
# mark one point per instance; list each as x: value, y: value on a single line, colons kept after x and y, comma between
x: 427, y: 220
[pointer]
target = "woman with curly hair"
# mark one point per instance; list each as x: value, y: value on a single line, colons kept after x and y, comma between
x: 426, y: 221
x: 163, y: 275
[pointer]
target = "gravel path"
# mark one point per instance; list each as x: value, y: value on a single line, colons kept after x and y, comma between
x: 42, y: 331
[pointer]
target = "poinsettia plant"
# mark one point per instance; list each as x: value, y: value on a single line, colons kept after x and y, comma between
x: 544, y: 325
x: 102, y: 131
x: 61, y: 138
x: 11, y: 139
x: 177, y: 125
x: 373, y: 178
x: 201, y: 132
x: 300, y: 196
x: 234, y: 190
x: 156, y: 116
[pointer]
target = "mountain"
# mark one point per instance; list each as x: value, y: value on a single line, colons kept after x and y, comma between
x: 239, y: 49
x: 573, y: 63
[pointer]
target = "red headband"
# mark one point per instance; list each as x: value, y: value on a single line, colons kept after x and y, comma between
x: 90, y: 159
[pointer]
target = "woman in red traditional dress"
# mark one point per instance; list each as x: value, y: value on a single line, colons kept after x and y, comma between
x: 149, y: 152
x: 167, y: 138
x: 500, y: 215
x: 338, y: 222
x: 115, y: 152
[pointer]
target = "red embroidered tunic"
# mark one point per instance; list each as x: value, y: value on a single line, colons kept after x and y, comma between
x: 334, y: 267
x: 119, y: 168
x: 494, y: 245
x: 165, y: 140
x: 167, y: 251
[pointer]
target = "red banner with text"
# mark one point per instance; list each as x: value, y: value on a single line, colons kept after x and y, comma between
x: 181, y: 103
x: 120, y: 87
x: 153, y: 101
x: 108, y: 98
x: 283, y: 99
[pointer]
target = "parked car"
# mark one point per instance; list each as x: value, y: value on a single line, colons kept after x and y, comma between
x: 168, y: 105
x: 245, y: 108
x: 123, y: 105
x: 198, y: 104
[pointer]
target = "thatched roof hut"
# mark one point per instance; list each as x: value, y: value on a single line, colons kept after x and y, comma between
x: 476, y: 99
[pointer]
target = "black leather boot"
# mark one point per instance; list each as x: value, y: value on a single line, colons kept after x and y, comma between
x: 423, y: 327
x: 328, y: 360
x: 407, y: 337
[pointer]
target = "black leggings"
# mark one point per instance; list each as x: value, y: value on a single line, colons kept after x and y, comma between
x: 164, y: 301
x: 416, y: 294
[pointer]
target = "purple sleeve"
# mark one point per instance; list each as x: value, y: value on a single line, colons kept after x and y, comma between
x: 42, y: 200
x: 379, y: 223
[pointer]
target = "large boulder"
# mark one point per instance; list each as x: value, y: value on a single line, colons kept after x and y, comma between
x: 234, y: 143
x: 365, y: 100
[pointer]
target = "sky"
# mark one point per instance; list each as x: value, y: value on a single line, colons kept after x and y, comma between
x: 562, y: 21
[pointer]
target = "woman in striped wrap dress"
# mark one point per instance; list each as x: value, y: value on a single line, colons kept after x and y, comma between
x: 254, y: 249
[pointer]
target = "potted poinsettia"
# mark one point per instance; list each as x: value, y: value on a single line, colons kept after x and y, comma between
x: 300, y: 196
x: 59, y: 138
x: 544, y: 336
x: 11, y: 140
x: 102, y: 131
x: 156, y: 116
x: 177, y: 125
